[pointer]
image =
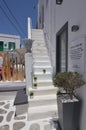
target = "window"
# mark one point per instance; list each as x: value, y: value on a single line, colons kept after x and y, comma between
x: 11, y: 45
x: 62, y: 49
x: 1, y: 45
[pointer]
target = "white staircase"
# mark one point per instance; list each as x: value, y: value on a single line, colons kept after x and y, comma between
x: 43, y: 105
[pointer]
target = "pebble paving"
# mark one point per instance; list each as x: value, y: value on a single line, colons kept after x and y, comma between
x: 8, y: 120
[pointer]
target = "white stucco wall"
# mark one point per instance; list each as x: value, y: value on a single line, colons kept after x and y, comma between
x: 28, y: 71
x: 40, y: 13
x: 55, y: 16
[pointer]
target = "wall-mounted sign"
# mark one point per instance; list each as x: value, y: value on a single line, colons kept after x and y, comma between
x: 77, y: 55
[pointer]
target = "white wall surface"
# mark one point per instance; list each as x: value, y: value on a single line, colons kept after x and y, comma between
x: 28, y: 71
x: 55, y: 16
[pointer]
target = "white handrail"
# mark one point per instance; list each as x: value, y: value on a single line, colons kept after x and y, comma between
x: 29, y: 27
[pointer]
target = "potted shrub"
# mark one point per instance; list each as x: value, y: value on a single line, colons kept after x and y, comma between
x: 31, y: 94
x: 44, y: 71
x: 68, y: 104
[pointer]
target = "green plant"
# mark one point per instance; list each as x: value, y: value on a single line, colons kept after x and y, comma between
x: 35, y: 78
x: 31, y: 93
x: 58, y: 92
x: 69, y: 81
x: 35, y: 84
x: 44, y: 70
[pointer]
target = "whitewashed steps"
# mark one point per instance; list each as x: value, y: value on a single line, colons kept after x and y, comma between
x: 37, y: 48
x: 42, y: 63
x: 39, y: 58
x: 38, y: 39
x: 38, y: 43
x: 44, y: 91
x: 41, y: 83
x: 40, y: 76
x: 40, y: 53
x: 37, y: 35
x: 43, y: 105
x: 42, y: 100
x: 40, y: 69
x: 37, y: 32
x: 41, y: 112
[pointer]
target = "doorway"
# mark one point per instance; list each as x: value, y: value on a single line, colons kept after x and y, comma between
x: 62, y: 49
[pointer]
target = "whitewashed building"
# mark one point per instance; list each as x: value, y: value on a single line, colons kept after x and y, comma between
x: 64, y: 26
x: 9, y: 42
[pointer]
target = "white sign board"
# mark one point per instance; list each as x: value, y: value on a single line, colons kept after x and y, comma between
x: 78, y: 55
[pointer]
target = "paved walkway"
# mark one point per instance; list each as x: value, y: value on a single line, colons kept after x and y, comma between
x: 8, y: 121
x: 44, y: 124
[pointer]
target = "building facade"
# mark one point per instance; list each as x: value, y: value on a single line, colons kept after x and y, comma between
x: 9, y: 42
x: 64, y: 27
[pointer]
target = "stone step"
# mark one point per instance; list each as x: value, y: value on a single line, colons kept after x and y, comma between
x: 40, y: 68
x: 40, y: 53
x: 38, y: 35
x: 42, y: 100
x: 45, y: 90
x: 45, y: 83
x: 37, y: 31
x: 42, y: 73
x: 38, y: 47
x: 38, y: 39
x: 42, y: 112
x: 38, y: 43
x: 42, y: 76
x: 40, y: 58
x: 37, y: 53
x: 42, y: 63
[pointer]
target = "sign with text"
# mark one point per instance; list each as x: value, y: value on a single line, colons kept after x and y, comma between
x: 77, y: 55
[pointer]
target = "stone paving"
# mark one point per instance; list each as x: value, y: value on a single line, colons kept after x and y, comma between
x: 8, y: 120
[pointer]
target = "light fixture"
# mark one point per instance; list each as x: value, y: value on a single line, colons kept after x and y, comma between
x: 74, y: 28
x: 59, y: 2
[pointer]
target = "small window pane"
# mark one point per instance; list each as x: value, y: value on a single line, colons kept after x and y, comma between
x: 11, y: 45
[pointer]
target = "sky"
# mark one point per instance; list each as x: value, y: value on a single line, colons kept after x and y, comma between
x: 14, y: 15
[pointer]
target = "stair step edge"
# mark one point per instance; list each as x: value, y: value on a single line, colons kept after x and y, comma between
x: 41, y: 109
x: 43, y: 97
x: 44, y: 88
